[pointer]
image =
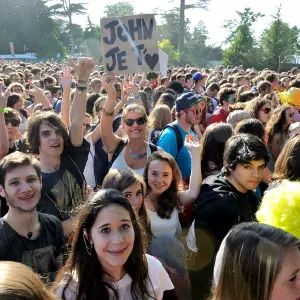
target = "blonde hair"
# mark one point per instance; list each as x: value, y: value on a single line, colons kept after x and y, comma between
x: 134, y: 108
x: 160, y: 117
x: 17, y: 281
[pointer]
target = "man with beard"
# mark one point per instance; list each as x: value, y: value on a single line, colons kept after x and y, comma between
x: 27, y: 236
x: 172, y: 138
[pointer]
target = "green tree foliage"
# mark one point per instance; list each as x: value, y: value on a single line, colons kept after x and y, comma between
x: 170, y: 27
x: 119, y: 9
x: 242, y: 43
x: 183, y: 7
x: 67, y: 9
x: 168, y: 48
x: 29, y: 23
x: 279, y: 41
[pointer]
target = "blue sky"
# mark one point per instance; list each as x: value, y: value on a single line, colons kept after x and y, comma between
x: 218, y: 11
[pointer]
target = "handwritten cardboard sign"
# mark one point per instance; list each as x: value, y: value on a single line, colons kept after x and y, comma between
x: 129, y: 44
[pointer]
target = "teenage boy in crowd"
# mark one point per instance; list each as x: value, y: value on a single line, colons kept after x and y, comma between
x: 229, y: 200
x: 227, y: 96
x: 212, y: 101
x: 63, y: 155
x: 188, y: 112
x: 27, y: 236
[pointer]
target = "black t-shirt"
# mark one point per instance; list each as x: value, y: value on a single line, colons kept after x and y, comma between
x: 39, y: 254
x: 63, y: 190
x: 19, y: 145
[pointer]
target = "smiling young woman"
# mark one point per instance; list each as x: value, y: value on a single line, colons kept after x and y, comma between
x: 107, y: 259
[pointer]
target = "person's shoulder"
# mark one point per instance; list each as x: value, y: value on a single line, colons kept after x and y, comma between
x: 50, y: 220
x: 167, y: 133
x: 160, y: 280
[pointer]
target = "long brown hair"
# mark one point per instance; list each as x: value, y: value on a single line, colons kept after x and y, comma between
x: 160, y: 117
x: 123, y: 179
x: 168, y: 200
x: 276, y: 123
x: 287, y: 165
x: 251, y: 261
x: 18, y: 282
x: 88, y: 269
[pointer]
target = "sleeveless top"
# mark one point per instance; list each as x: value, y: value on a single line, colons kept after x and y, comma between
x: 120, y: 162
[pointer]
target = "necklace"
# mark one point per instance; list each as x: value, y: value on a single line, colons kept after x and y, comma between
x: 136, y: 156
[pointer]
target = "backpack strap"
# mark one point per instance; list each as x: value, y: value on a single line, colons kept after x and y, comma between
x: 179, y: 139
x: 117, y: 152
x: 153, y: 147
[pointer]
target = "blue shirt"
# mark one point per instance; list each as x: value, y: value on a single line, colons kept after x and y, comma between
x: 168, y: 142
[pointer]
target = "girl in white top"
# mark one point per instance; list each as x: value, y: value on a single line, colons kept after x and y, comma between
x: 164, y: 199
x: 134, y: 120
x: 107, y: 259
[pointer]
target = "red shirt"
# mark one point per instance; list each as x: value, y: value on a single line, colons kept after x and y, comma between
x: 219, y: 116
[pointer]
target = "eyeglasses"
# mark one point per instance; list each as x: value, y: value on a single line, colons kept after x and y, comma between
x: 139, y: 121
x: 266, y: 110
x: 13, y: 122
x: 196, y: 111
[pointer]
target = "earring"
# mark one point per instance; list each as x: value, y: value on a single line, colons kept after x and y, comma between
x: 88, y: 249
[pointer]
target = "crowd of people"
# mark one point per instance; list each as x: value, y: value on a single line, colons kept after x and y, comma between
x: 141, y: 186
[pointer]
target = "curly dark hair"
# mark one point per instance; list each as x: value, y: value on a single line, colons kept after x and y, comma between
x: 255, y: 105
x: 276, y: 123
x: 168, y: 200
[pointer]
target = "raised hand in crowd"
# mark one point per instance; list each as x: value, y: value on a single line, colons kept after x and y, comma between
x: 66, y: 82
x: 82, y: 70
x: 39, y: 95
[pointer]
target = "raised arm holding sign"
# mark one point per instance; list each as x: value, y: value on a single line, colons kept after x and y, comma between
x: 129, y: 44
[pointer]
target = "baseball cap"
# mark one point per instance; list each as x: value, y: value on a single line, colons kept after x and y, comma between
x: 198, y: 76
x: 185, y: 101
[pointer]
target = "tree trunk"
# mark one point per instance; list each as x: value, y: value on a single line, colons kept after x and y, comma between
x: 181, y: 26
x: 71, y: 36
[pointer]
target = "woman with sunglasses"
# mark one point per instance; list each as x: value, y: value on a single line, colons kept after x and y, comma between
x: 277, y: 131
x: 260, y: 109
x: 16, y: 102
x: 134, y: 149
x: 108, y: 259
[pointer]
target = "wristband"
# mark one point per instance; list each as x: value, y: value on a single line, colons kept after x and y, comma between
x: 81, y: 88
x: 82, y: 81
x: 4, y: 110
x: 108, y: 114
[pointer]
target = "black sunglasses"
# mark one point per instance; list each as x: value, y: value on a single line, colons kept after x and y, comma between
x: 266, y: 110
x: 139, y: 121
x: 13, y: 122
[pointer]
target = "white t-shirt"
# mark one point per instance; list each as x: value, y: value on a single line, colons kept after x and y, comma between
x: 120, y: 162
x: 159, y: 278
x: 89, y: 172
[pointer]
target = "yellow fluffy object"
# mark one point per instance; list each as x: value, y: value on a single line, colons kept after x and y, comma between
x: 280, y: 207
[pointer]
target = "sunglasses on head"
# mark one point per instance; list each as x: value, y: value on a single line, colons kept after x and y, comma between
x: 196, y: 111
x: 139, y: 121
x: 13, y: 122
x: 231, y: 99
x: 266, y: 110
